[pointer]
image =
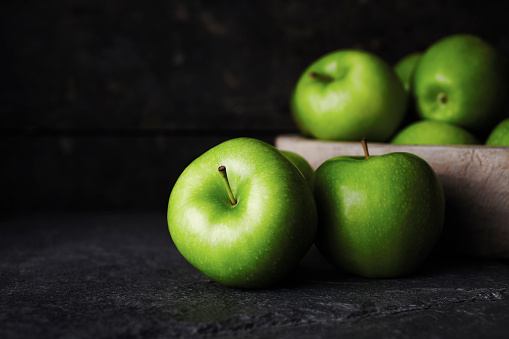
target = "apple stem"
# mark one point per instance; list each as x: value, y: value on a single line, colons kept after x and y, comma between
x: 321, y: 76
x: 365, y: 147
x: 442, y: 98
x: 222, y: 170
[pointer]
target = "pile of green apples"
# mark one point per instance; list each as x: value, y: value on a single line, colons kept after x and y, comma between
x: 455, y: 92
x: 245, y: 213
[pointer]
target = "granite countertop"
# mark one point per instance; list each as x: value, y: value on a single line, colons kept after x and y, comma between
x: 119, y: 275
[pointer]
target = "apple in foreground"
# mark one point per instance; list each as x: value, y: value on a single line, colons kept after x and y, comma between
x: 429, y: 132
x: 348, y: 95
x: 242, y: 214
x: 379, y: 216
x: 464, y: 80
x: 301, y: 163
x: 499, y: 136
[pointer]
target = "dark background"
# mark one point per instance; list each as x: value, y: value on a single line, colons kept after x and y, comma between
x: 104, y: 103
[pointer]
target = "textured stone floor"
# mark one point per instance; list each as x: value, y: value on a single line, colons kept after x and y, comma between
x: 119, y: 275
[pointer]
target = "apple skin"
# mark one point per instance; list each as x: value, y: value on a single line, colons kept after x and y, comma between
x: 405, y: 69
x: 302, y: 164
x: 499, y: 136
x: 259, y: 240
x: 378, y: 217
x: 463, y: 80
x: 364, y: 99
x: 429, y: 132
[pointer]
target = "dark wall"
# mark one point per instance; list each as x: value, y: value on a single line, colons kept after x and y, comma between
x: 104, y: 103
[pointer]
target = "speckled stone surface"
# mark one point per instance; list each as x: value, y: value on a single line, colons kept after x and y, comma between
x: 119, y: 275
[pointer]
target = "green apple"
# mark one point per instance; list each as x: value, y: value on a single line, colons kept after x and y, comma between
x: 499, y: 136
x: 462, y: 79
x: 347, y: 95
x: 247, y: 228
x: 405, y: 69
x: 380, y: 216
x: 429, y: 132
x: 301, y: 163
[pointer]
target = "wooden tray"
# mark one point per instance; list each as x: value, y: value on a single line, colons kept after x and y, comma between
x: 475, y: 180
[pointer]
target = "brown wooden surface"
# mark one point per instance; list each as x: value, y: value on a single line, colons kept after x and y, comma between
x: 475, y: 180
